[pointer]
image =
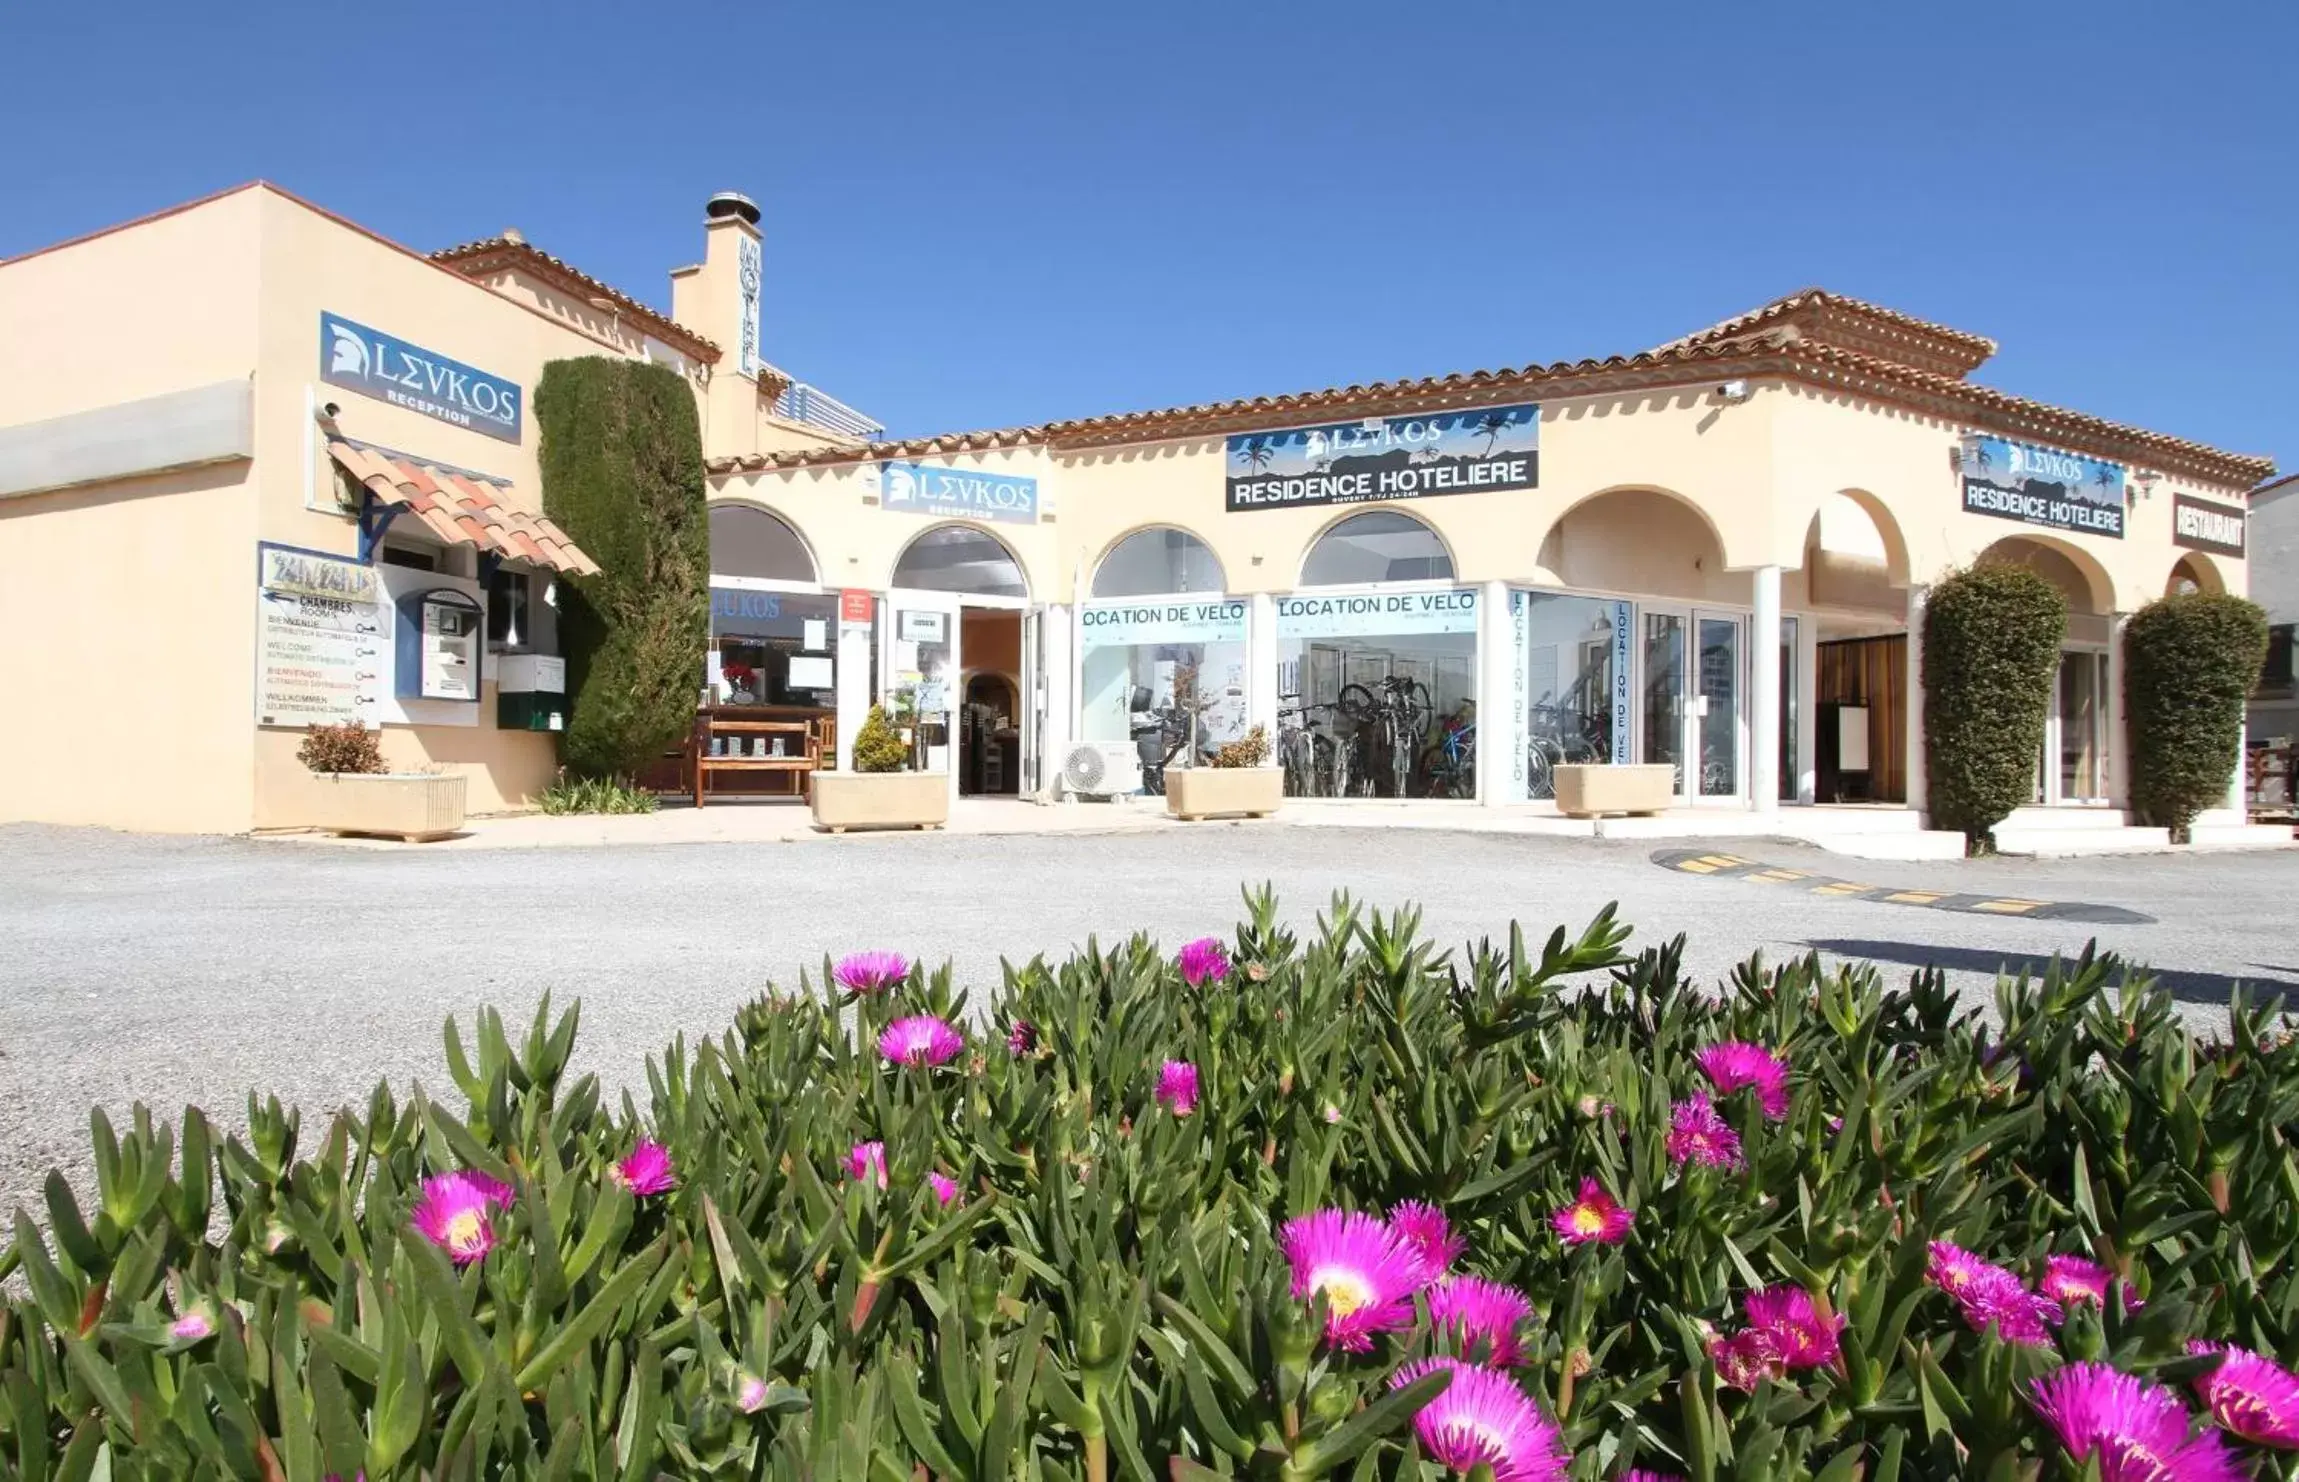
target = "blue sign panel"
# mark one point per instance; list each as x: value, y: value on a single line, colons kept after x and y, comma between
x: 964, y: 493
x: 1482, y: 450
x: 2040, y: 486
x: 388, y: 368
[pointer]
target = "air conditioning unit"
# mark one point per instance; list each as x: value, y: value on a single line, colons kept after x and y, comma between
x: 1101, y: 769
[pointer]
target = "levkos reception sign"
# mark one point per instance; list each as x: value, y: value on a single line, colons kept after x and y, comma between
x: 2040, y: 486
x: 954, y: 493
x: 1482, y: 450
x: 388, y: 368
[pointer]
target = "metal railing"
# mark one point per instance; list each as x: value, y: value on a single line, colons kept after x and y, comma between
x: 800, y: 402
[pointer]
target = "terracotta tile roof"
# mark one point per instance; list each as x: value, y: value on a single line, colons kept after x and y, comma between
x: 1786, y: 347
x: 494, y: 254
x: 461, y: 507
x: 1856, y: 324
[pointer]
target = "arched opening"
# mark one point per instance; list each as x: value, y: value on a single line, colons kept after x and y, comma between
x: 1376, y: 545
x: 1854, y: 559
x: 2072, y: 768
x: 2194, y: 573
x: 1644, y: 541
x: 960, y: 559
x: 757, y: 544
x: 1159, y: 561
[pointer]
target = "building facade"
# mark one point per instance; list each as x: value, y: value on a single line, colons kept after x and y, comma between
x: 1711, y: 555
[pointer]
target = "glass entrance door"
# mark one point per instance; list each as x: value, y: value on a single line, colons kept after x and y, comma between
x: 1693, y: 716
x: 918, y: 670
x: 2073, y: 768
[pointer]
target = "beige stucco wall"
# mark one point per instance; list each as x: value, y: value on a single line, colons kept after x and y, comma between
x: 129, y: 606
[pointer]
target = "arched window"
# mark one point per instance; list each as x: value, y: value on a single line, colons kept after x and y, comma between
x: 958, y: 558
x: 1378, y: 545
x: 749, y: 542
x: 1158, y: 562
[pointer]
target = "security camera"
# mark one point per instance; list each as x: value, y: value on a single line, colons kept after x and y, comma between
x: 330, y: 410
x: 1733, y: 391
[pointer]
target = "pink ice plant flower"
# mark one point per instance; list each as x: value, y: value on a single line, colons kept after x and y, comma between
x: 1991, y: 1296
x: 945, y: 1188
x: 1746, y: 1358
x: 1484, y: 1315
x: 1483, y: 1419
x: 1788, y: 1317
x: 920, y: 1039
x: 866, y: 1161
x: 1177, y: 1087
x: 456, y: 1213
x: 2068, y: 1280
x: 749, y: 1393
x: 648, y: 1170
x: 192, y: 1327
x: 2251, y: 1396
x: 1736, y: 1063
x: 2138, y: 1431
x: 1594, y: 1215
x: 1022, y: 1038
x: 1202, y: 961
x: 870, y: 972
x: 1366, y: 1271
x: 1425, y: 1228
x: 1696, y: 1133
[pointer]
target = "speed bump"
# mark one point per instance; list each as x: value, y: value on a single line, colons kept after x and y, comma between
x: 1732, y: 866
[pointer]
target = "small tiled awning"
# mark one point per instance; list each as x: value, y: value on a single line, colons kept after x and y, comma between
x: 461, y: 507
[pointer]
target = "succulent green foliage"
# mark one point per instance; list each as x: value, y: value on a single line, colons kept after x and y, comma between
x: 1106, y: 1298
x: 2190, y: 662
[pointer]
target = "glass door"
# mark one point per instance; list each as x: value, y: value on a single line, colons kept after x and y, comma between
x: 2074, y: 763
x: 1716, y: 708
x: 1664, y: 709
x: 1695, y: 681
x: 918, y: 670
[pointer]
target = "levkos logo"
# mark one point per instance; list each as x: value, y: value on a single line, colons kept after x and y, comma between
x: 918, y: 488
x: 391, y: 369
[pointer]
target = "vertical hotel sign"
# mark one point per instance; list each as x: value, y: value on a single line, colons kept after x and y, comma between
x: 1482, y: 450
x: 2042, y: 486
x: 319, y: 638
x: 746, y: 265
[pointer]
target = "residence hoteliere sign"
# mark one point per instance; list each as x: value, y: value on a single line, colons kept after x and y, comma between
x: 2042, y: 486
x: 1482, y: 450
x: 391, y: 369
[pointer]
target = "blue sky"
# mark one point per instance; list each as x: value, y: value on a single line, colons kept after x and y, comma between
x: 979, y: 215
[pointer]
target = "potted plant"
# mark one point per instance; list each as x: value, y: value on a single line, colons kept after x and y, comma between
x: 1236, y: 780
x: 883, y: 791
x: 353, y: 794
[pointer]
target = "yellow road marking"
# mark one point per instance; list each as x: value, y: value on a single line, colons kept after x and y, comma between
x: 1775, y: 877
x: 1697, y: 866
x: 1916, y: 897
x: 1722, y: 861
x: 2006, y: 907
x: 1842, y: 887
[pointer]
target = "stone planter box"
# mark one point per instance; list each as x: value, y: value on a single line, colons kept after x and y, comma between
x: 844, y: 800
x: 415, y: 806
x: 1592, y: 791
x: 1192, y: 793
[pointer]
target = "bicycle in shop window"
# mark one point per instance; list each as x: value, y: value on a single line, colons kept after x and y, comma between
x: 1398, y: 719
x: 1562, y: 735
x: 1318, y: 748
x: 1451, y: 763
x: 1160, y: 733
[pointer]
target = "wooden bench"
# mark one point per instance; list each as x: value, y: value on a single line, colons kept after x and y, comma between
x: 801, y: 746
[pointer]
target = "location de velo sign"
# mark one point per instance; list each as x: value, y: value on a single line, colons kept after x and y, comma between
x: 1181, y: 620
x: 391, y: 369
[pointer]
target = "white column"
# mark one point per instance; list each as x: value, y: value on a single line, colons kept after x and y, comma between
x: 1764, y: 716
x: 1918, y: 795
x: 1807, y: 709
x: 854, y: 640
x: 1261, y: 666
x: 2238, y: 786
x: 1058, y: 666
x: 2118, y: 740
x: 1496, y: 692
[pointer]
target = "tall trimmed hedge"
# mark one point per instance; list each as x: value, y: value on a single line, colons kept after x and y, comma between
x: 623, y: 475
x: 2189, y: 664
x: 1991, y: 652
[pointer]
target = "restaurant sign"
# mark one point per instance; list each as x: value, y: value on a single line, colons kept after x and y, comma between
x: 2202, y: 525
x: 388, y: 368
x: 2041, y: 486
x: 955, y: 493
x: 1482, y: 450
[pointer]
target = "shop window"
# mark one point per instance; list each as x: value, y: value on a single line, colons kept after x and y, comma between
x: 1571, y: 646
x: 1156, y: 562
x: 2275, y: 676
x: 508, y: 623
x: 1163, y: 675
x: 1379, y: 545
x: 750, y: 542
x: 773, y: 648
x: 413, y: 560
x: 1377, y: 694
x: 957, y: 558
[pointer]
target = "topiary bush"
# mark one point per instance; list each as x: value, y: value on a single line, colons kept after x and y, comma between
x: 1228, y: 1213
x: 2189, y: 664
x: 878, y: 746
x: 621, y: 454
x: 1992, y: 637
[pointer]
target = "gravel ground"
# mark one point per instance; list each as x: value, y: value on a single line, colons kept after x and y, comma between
x: 171, y: 970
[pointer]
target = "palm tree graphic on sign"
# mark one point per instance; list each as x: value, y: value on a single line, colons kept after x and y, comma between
x: 1256, y: 456
x: 2105, y: 478
x: 1490, y: 427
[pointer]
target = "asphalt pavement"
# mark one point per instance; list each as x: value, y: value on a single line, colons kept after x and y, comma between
x: 171, y: 970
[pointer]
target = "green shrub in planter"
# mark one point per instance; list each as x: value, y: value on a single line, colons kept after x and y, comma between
x: 878, y: 747
x: 1992, y: 638
x: 1226, y: 1213
x: 2189, y: 663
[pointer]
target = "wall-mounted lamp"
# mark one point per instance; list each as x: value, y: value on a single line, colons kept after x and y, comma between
x: 1733, y: 393
x: 2144, y: 480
